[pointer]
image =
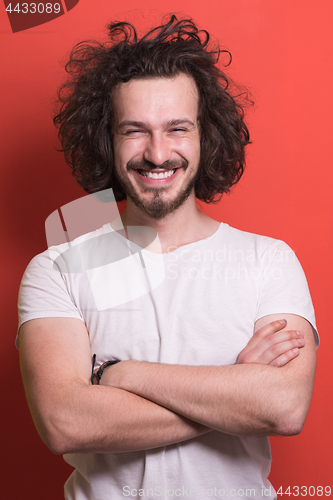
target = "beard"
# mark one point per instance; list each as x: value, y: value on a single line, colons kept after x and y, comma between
x: 157, y: 208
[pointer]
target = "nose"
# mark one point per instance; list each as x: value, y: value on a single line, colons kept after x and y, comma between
x: 157, y: 149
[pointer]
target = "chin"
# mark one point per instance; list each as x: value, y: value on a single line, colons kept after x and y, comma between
x: 158, y: 208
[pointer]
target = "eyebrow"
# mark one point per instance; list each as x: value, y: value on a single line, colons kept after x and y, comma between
x: 128, y: 123
x: 170, y: 123
x: 174, y: 123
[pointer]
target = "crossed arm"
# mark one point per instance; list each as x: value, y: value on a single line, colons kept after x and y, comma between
x: 146, y: 405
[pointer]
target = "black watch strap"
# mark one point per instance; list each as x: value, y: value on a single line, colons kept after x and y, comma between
x: 96, y: 377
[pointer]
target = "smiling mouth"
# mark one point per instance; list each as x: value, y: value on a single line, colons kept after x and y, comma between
x: 157, y: 175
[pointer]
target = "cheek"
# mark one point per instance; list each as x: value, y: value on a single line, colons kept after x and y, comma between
x: 126, y: 151
x: 191, y: 152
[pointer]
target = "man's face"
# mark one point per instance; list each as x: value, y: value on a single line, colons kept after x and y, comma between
x: 156, y: 142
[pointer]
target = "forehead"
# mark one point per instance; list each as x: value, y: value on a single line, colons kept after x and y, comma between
x: 156, y: 99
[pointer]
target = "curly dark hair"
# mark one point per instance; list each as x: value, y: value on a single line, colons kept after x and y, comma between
x: 85, y: 116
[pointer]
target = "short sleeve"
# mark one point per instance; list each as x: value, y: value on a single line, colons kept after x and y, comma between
x: 44, y: 293
x: 285, y: 288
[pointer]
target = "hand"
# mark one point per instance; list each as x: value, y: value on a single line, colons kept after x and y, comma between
x: 270, y: 346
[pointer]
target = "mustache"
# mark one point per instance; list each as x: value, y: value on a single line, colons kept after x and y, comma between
x: 148, y: 165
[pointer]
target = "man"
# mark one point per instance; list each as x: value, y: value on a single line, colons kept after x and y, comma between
x: 214, y: 358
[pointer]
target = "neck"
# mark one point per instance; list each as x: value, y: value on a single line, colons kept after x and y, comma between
x: 183, y: 226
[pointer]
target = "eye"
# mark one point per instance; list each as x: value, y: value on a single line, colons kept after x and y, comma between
x: 178, y: 130
x: 132, y: 132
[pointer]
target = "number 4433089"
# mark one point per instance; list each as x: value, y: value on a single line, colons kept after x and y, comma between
x: 33, y: 8
x: 305, y: 491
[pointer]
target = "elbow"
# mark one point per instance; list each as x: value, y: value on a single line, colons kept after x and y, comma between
x: 59, y: 435
x: 57, y: 445
x: 58, y: 442
x: 61, y: 444
x: 290, y: 427
x: 291, y: 421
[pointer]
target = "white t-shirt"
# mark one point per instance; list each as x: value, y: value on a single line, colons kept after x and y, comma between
x: 196, y: 305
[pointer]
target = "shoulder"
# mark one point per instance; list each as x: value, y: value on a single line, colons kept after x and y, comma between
x: 52, y: 280
x: 63, y: 257
x: 263, y: 246
x: 52, y: 272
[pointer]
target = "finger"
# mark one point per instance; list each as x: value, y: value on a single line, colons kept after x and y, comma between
x: 285, y: 358
x: 279, y: 349
x: 265, y: 331
x: 266, y: 350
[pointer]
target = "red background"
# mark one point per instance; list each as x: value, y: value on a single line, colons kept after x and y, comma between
x: 282, y: 50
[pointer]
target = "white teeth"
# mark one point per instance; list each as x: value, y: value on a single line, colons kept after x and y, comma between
x: 161, y: 175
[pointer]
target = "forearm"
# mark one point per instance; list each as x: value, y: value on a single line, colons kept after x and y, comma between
x: 240, y: 399
x: 70, y: 414
x: 148, y: 405
x: 104, y: 419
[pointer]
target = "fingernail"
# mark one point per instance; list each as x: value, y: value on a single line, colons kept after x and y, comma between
x: 301, y: 341
x: 299, y: 332
x: 283, y: 320
x: 296, y: 349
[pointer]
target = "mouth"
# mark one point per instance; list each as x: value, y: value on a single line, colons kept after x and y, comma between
x: 157, y: 177
x: 160, y: 175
